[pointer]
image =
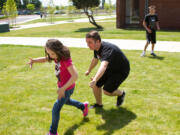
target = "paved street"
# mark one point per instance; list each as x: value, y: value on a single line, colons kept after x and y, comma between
x: 22, y: 19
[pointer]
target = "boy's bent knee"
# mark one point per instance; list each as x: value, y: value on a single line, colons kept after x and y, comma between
x: 96, y: 88
x: 107, y: 93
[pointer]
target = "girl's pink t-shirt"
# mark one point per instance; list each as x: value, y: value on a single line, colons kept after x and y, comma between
x: 62, y: 73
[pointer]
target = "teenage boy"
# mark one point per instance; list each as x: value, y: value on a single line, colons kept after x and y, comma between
x: 113, y: 70
x: 151, y: 23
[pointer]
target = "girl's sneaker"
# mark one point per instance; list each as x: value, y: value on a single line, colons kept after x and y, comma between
x: 85, y: 111
x: 52, y: 134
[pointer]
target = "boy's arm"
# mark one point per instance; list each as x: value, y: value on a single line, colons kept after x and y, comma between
x: 157, y: 25
x: 94, y: 62
x: 99, y: 73
x: 157, y: 22
x: 101, y: 70
x: 145, y: 26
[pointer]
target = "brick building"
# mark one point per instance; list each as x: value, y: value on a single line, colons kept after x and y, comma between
x: 130, y: 13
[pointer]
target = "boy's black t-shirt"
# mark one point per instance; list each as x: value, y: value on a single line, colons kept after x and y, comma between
x: 151, y: 21
x: 116, y: 58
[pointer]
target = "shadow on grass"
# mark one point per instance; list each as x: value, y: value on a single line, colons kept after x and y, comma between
x: 134, y: 29
x: 88, y: 29
x: 156, y: 57
x: 70, y: 130
x: 115, y: 119
x: 142, y: 29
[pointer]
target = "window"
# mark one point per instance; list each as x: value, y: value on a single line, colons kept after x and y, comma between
x: 132, y: 12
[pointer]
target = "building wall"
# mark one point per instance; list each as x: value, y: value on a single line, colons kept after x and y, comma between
x: 168, y: 12
x: 120, y: 13
x: 142, y: 10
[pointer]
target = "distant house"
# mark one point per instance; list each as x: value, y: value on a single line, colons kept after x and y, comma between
x: 130, y: 13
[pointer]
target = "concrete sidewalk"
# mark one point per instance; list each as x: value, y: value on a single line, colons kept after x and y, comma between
x: 80, y: 42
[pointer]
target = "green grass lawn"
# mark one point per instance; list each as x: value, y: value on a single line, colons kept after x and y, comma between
x: 3, y: 17
x: 151, y: 106
x: 109, y: 19
x: 78, y: 30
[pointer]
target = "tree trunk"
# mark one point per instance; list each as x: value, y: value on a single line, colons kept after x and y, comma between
x: 91, y: 19
x: 103, y: 2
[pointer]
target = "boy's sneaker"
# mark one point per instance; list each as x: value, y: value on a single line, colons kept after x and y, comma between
x: 143, y: 54
x: 52, y: 134
x: 96, y: 106
x: 85, y: 111
x: 120, y: 99
x: 153, y: 54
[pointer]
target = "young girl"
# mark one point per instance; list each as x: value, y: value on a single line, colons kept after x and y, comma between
x: 66, y: 74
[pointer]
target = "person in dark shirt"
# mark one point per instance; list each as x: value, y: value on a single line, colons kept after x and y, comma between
x: 113, y: 70
x: 151, y: 23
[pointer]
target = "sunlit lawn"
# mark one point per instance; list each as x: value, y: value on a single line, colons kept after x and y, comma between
x: 151, y: 106
x: 78, y: 30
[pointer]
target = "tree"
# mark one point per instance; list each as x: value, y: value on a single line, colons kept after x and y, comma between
x: 108, y: 7
x: 18, y: 4
x: 11, y: 10
x: 51, y: 9
x: 2, y: 2
x: 70, y: 10
x: 4, y: 10
x: 22, y: 4
x: 31, y: 7
x: 87, y: 6
x: 103, y: 2
x: 57, y: 7
x: 37, y: 3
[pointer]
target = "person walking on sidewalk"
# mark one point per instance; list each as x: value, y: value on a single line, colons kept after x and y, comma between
x: 114, y: 69
x: 66, y: 74
x: 151, y: 23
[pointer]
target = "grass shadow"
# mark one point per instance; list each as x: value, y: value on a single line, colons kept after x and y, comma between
x: 134, y: 29
x: 169, y: 30
x: 88, y: 29
x: 142, y: 29
x: 115, y: 119
x: 156, y: 57
x: 70, y: 130
x: 70, y: 20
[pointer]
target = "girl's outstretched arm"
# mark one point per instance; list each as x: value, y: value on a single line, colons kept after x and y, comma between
x: 37, y: 60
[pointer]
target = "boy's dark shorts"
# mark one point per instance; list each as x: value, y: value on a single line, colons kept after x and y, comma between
x: 151, y: 37
x: 112, y: 81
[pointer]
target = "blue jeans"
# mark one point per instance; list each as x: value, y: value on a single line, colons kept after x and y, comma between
x: 58, y: 106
